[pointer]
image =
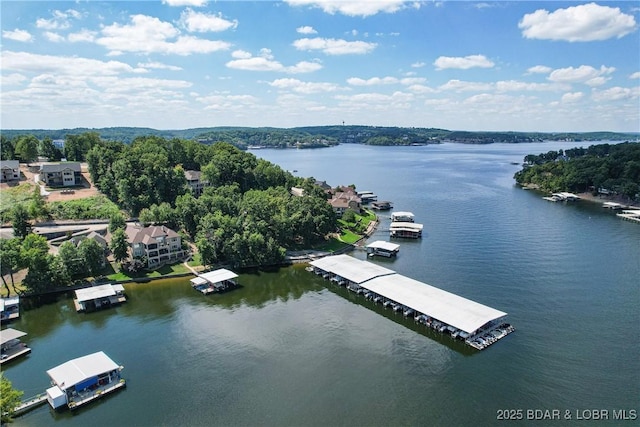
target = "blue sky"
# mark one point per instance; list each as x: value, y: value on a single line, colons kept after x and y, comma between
x: 460, y: 65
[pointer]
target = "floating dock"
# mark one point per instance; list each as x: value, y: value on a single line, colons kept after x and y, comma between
x: 476, y: 324
x: 408, y: 230
x: 382, y: 248
x: 98, y: 297
x: 10, y: 345
x: 630, y: 215
x: 9, y: 308
x: 82, y: 380
x: 214, y: 281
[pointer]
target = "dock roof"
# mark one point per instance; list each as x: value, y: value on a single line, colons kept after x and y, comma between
x: 5, y: 302
x: 218, y: 275
x: 351, y: 268
x: 457, y: 311
x: 95, y: 292
x: 10, y: 334
x: 381, y: 244
x: 452, y: 309
x: 77, y: 370
x: 410, y: 226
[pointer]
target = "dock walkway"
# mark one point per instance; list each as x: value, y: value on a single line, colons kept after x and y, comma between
x: 30, y: 403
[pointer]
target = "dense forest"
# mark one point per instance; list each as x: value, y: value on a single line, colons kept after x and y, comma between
x: 317, y: 136
x: 246, y: 217
x: 612, y: 168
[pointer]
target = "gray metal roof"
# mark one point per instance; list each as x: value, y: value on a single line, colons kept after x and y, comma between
x: 351, y: 268
x: 77, y: 370
x: 9, y: 334
x: 381, y: 244
x: 95, y: 292
x: 457, y: 311
x: 218, y: 275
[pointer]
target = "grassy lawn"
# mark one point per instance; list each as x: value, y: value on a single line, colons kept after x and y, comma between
x: 196, y: 260
x: 331, y: 245
x: 349, y: 236
x: 14, y: 195
x: 165, y: 270
x: 352, y: 231
x: 95, y: 207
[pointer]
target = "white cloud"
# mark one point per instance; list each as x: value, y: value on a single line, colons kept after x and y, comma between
x: 463, y: 63
x: 418, y: 64
x: 539, y: 69
x: 616, y: 93
x: 334, y: 46
x: 194, y: 3
x: 13, y: 79
x: 635, y: 75
x: 266, y: 62
x: 83, y: 35
x: 53, y: 37
x: 241, y: 54
x: 572, y: 97
x: 148, y: 34
x: 159, y: 66
x: 17, y: 35
x: 463, y: 86
x: 299, y: 86
x: 356, y: 81
x: 306, y: 30
x: 354, y: 8
x: 203, y: 22
x: 582, y: 74
x: 59, y: 21
x: 586, y: 22
x: 63, y: 65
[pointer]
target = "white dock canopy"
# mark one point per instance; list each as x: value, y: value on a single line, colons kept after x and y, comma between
x: 381, y: 244
x: 449, y: 308
x: 10, y: 334
x: 8, y: 302
x: 97, y: 292
x: 218, y: 275
x: 402, y: 216
x: 406, y: 226
x: 350, y: 268
x: 77, y: 370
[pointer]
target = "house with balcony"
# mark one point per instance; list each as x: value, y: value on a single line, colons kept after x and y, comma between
x: 157, y: 243
x: 195, y: 182
x: 63, y: 174
x: 342, y: 201
x: 10, y: 170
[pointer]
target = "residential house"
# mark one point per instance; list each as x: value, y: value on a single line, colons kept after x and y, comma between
x: 64, y: 174
x: 195, y: 182
x: 341, y: 201
x: 10, y: 170
x: 157, y: 243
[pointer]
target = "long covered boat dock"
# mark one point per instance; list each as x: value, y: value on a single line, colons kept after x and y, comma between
x: 477, y: 324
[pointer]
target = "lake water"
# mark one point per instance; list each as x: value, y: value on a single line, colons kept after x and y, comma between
x: 289, y: 349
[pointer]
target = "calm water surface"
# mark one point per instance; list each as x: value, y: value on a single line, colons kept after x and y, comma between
x: 288, y: 349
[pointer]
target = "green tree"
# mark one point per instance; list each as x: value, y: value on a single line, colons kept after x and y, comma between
x: 37, y: 205
x: 92, y: 254
x: 119, y: 245
x: 27, y: 148
x: 46, y: 148
x: 76, y: 147
x: 20, y: 221
x: 10, y: 259
x: 9, y: 399
x: 117, y: 221
x: 71, y: 259
x: 45, y: 273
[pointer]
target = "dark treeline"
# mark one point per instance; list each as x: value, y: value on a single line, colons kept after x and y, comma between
x: 311, y: 136
x: 246, y: 217
x: 611, y: 167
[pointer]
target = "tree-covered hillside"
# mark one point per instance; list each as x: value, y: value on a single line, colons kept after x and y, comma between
x: 614, y: 167
x: 318, y: 136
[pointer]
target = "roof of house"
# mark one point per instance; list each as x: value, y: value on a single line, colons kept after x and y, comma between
x: 59, y: 167
x: 146, y: 235
x: 77, y: 370
x: 9, y: 164
x: 192, y: 175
